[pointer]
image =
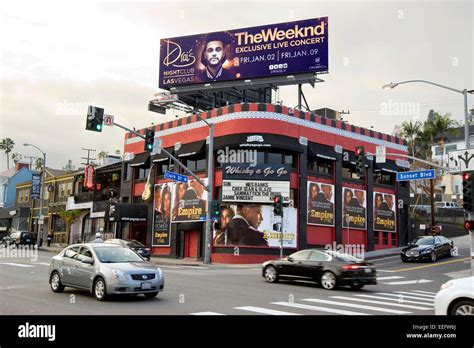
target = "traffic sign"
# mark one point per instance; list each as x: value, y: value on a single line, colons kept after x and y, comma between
x: 380, y: 154
x: 108, y: 120
x: 461, y: 161
x: 157, y: 144
x: 176, y: 177
x: 417, y: 175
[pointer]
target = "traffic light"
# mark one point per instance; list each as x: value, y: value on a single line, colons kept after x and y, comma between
x: 469, y: 225
x: 149, y: 139
x: 467, y: 194
x: 278, y: 205
x: 95, y: 119
x: 216, y: 210
x: 360, y: 161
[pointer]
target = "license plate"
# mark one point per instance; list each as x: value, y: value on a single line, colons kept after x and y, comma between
x: 27, y: 240
x: 146, y: 286
x: 367, y: 270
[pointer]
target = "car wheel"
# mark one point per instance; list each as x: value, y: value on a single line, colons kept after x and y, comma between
x: 100, y: 290
x: 404, y: 259
x: 433, y: 256
x: 151, y: 294
x: 464, y: 307
x: 357, y: 286
x: 55, y: 282
x: 271, y: 274
x: 451, y: 252
x: 328, y: 280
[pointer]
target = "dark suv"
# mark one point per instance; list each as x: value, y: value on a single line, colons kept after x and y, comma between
x: 19, y: 238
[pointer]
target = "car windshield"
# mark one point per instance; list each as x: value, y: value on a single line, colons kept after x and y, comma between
x: 423, y: 241
x: 116, y: 255
x: 135, y: 244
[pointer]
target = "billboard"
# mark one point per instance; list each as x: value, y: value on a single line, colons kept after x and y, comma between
x: 252, y: 225
x: 35, y: 186
x: 189, y: 202
x: 241, y: 54
x: 354, y: 208
x: 384, y: 212
x: 320, y: 204
x: 254, y: 191
x: 162, y: 214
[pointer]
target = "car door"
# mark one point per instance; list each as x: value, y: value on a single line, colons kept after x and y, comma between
x: 446, y: 245
x: 84, y: 271
x: 439, y: 247
x: 67, y: 266
x: 295, y: 266
x: 314, y: 266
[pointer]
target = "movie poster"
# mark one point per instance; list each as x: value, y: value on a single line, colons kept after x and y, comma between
x: 384, y: 212
x: 320, y: 204
x: 189, y: 202
x: 252, y: 225
x: 354, y: 208
x: 162, y: 214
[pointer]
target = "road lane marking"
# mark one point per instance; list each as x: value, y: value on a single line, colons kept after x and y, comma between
x: 400, y: 299
x: 16, y: 264
x: 207, y: 313
x: 393, y: 277
x: 401, y: 296
x: 42, y: 263
x: 264, y: 310
x: 355, y: 305
x: 385, y: 270
x: 425, y: 292
x: 404, y: 282
x: 318, y: 309
x: 432, y: 265
x: 411, y: 293
x: 382, y: 303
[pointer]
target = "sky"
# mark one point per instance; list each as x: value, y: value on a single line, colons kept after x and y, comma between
x: 58, y: 57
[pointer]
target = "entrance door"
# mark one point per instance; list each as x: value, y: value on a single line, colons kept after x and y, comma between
x: 191, y: 243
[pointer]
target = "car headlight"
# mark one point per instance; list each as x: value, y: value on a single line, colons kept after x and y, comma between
x: 446, y: 285
x: 118, y: 274
x: 158, y: 270
x: 426, y: 251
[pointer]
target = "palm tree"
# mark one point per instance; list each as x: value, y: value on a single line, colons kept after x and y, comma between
x: 6, y: 145
x: 16, y: 157
x: 442, y: 127
x: 102, y: 155
x: 410, y: 130
x: 69, y: 217
x: 39, y: 163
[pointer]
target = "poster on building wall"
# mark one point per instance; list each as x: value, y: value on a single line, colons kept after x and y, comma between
x: 255, y: 191
x: 354, y: 208
x: 35, y: 186
x: 320, y: 204
x: 189, y: 202
x: 162, y: 214
x: 384, y: 212
x: 252, y: 225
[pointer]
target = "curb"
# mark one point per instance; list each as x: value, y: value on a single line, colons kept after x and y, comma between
x: 381, y: 256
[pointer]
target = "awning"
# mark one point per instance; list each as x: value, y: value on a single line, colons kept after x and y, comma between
x: 141, y: 160
x: 257, y: 141
x: 128, y: 212
x: 388, y: 166
x: 191, y: 149
x: 322, y: 151
x: 161, y: 157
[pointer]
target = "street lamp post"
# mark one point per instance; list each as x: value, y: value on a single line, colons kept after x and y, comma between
x: 41, y: 217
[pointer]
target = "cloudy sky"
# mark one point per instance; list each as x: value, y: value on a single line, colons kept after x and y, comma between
x: 57, y: 57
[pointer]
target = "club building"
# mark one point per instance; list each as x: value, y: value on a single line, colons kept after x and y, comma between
x: 308, y: 159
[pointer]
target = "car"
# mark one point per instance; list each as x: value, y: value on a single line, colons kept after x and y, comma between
x: 446, y: 205
x: 456, y: 297
x: 104, y: 269
x: 429, y: 248
x: 18, y: 238
x: 142, y: 250
x: 328, y: 268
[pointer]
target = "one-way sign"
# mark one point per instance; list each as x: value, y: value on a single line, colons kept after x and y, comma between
x: 176, y: 177
x: 461, y: 161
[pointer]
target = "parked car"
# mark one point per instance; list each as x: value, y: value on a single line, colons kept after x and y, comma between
x: 329, y: 268
x: 104, y: 269
x: 456, y: 297
x: 141, y: 249
x: 18, y: 238
x: 429, y: 248
x: 447, y: 205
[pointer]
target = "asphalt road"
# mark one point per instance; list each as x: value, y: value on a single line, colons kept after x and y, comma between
x: 404, y: 288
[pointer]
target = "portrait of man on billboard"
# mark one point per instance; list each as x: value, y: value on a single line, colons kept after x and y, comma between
x: 243, y: 228
x: 213, y: 58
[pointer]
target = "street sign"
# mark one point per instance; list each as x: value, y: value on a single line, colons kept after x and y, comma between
x: 108, y: 120
x: 461, y: 161
x: 176, y: 177
x: 417, y: 175
x: 380, y: 154
x: 157, y: 143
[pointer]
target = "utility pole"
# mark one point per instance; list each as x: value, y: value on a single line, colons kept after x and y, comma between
x: 88, y: 156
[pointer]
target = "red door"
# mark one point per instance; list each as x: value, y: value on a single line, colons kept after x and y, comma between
x: 191, y: 243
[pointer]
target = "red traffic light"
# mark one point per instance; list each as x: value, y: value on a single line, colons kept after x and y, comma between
x: 276, y: 199
x: 466, y: 176
x: 469, y: 225
x: 359, y: 150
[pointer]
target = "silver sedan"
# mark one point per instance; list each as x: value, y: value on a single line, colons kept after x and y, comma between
x: 104, y: 269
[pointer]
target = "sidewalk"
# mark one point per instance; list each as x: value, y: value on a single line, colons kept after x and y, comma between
x: 51, y: 249
x: 381, y: 253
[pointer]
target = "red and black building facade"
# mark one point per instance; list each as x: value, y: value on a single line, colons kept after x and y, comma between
x: 317, y: 149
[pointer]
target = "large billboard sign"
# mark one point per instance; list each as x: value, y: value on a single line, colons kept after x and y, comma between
x: 189, y: 202
x: 354, y: 208
x: 384, y: 212
x: 162, y: 214
x: 320, y: 204
x: 241, y: 54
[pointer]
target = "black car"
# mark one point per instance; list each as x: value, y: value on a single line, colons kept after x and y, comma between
x: 329, y: 268
x: 139, y: 248
x: 429, y: 248
x: 19, y: 238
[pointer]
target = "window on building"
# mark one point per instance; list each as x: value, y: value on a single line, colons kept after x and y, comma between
x: 394, y: 238
x: 321, y: 166
x: 438, y: 151
x: 27, y: 192
x: 274, y: 158
x: 349, y: 171
x: 196, y: 164
x: 385, y: 238
x: 161, y: 168
x: 449, y: 148
x: 141, y: 173
x: 384, y: 178
x: 58, y: 224
x: 69, y: 188
x: 376, y: 237
x: 127, y: 175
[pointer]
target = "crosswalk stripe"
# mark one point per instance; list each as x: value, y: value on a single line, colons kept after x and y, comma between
x: 42, y: 263
x: 319, y: 309
x: 355, y: 305
x: 416, y: 294
x: 403, y: 300
x: 382, y: 303
x: 405, y: 282
x: 17, y: 264
x: 405, y: 296
x: 425, y: 292
x: 207, y: 313
x: 264, y: 310
x: 392, y: 277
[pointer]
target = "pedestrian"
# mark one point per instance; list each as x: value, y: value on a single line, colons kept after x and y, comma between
x: 98, y: 238
x: 50, y: 238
